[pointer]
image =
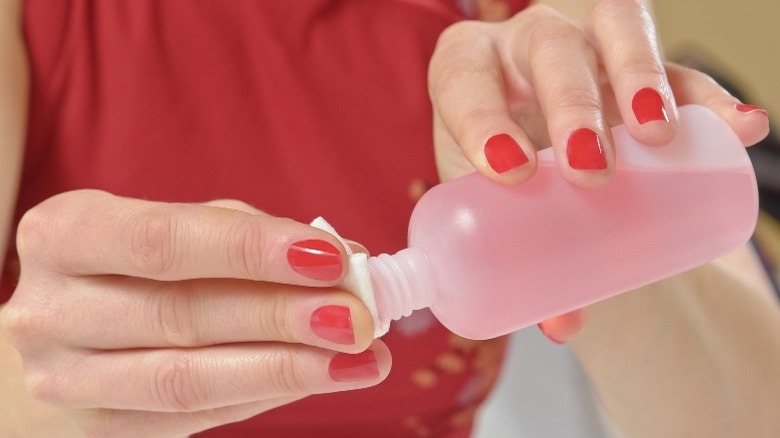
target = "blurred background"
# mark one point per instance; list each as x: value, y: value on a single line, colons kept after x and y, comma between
x: 739, y: 39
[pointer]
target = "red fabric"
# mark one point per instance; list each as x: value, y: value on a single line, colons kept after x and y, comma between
x: 301, y: 108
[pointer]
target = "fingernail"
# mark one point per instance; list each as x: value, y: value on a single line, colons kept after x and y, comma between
x: 353, y: 367
x: 584, y: 150
x: 561, y: 329
x: 745, y: 108
x: 503, y: 153
x: 648, y: 106
x: 548, y: 334
x: 315, y: 259
x: 333, y: 324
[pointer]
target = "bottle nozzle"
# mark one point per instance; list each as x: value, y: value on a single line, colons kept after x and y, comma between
x: 402, y: 283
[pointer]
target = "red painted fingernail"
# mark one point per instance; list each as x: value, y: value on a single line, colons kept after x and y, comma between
x: 547, y: 334
x: 564, y: 327
x: 353, y: 367
x: 503, y: 153
x: 315, y: 259
x: 334, y: 324
x: 745, y: 108
x: 584, y: 150
x: 648, y: 106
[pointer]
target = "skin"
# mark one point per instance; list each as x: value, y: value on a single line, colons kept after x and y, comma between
x: 692, y: 355
x: 697, y: 351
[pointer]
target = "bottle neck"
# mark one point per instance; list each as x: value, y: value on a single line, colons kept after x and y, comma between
x: 402, y: 283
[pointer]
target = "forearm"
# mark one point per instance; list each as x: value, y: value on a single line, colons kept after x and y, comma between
x: 694, y: 355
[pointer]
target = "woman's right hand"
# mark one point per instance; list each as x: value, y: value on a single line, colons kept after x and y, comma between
x: 140, y: 318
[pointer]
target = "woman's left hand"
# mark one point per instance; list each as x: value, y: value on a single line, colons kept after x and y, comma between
x: 502, y: 91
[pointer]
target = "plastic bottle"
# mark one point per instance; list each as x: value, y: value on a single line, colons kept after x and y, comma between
x: 490, y: 259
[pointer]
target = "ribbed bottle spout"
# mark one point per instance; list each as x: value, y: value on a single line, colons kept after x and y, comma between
x: 402, y: 283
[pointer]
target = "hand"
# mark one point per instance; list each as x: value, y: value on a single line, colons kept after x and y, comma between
x: 538, y: 79
x: 502, y: 91
x: 150, y: 319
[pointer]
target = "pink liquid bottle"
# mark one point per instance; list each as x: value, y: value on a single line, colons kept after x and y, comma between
x: 490, y: 259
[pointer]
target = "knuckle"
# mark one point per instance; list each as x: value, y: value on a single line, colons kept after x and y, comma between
x: 476, y: 117
x: 39, y: 229
x: 175, y: 318
x: 641, y: 64
x: 274, y: 319
x: 19, y: 323
x: 176, y: 384
x: 152, y: 238
x: 451, y: 87
x: 583, y: 99
x: 458, y: 75
x: 550, y: 34
x: 44, y: 387
x: 247, y: 241
x: 457, y: 44
x: 285, y: 375
x: 31, y: 231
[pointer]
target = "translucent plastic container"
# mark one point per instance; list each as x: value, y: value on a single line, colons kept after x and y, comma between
x: 490, y: 259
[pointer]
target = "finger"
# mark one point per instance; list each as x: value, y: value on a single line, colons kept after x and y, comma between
x: 90, y: 232
x: 466, y: 86
x: 131, y: 424
x: 188, y: 380
x: 235, y: 204
x: 451, y: 159
x: 563, y: 66
x: 147, y: 314
x: 564, y: 327
x: 750, y: 122
x: 625, y: 37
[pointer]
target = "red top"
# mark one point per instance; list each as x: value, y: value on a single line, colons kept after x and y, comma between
x: 298, y: 107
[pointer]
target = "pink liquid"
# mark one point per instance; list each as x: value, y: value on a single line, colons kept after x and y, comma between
x: 490, y: 259
x: 538, y: 261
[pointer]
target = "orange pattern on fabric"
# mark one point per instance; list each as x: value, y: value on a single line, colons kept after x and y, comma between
x: 479, y: 359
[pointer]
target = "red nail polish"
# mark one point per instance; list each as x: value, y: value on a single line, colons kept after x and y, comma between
x: 503, y: 153
x: 745, y: 108
x: 648, y: 106
x: 584, y: 150
x: 353, y: 367
x: 334, y: 324
x: 564, y: 327
x: 547, y: 334
x: 315, y: 259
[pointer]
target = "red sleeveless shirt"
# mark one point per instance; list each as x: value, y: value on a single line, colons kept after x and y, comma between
x: 299, y: 107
